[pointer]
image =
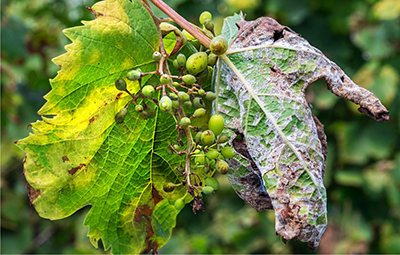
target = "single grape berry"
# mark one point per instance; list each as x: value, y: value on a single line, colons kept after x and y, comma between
x: 133, y: 75
x: 209, y: 25
x: 212, y: 154
x: 175, y: 84
x: 218, y: 45
x: 187, y: 104
x: 228, y: 152
x: 197, y: 62
x: 175, y: 64
x: 165, y: 104
x: 188, y: 79
x: 197, y: 137
x: 120, y: 84
x: 176, y: 147
x: 139, y: 108
x: 148, y: 112
x: 212, y: 182
x: 183, y: 96
x: 120, y: 116
x: 208, y: 137
x: 181, y: 59
x: 200, y: 160
x: 198, y: 103
x: 198, y: 113
x: 201, y: 92
x: 208, y: 190
x: 216, y: 124
x: 185, y: 121
x: 179, y: 204
x: 222, y: 166
x: 223, y: 139
x: 210, y: 96
x: 175, y: 104
x: 165, y: 79
x: 169, y: 187
x: 173, y: 96
x: 203, y: 16
x: 148, y: 91
x: 157, y: 56
x: 202, y: 76
x: 212, y: 59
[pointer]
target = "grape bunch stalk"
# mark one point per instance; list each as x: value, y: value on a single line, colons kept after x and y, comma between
x: 183, y: 97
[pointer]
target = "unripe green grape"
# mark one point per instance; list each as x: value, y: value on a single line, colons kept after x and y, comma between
x: 196, y: 151
x: 133, y: 75
x: 169, y: 187
x: 223, y: 139
x: 179, y: 204
x: 212, y: 182
x: 201, y: 92
x: 120, y: 84
x: 165, y: 104
x: 173, y: 96
x: 185, y: 121
x: 197, y: 62
x: 198, y: 113
x: 202, y: 76
x: 165, y: 79
x: 175, y: 104
x: 207, y: 137
x: 175, y: 84
x: 139, y: 108
x: 176, y: 147
x: 203, y: 16
x: 120, y: 116
x: 212, y: 59
x: 207, y: 190
x: 209, y: 25
x: 181, y: 59
x: 148, y: 91
x: 198, y: 103
x: 210, y: 96
x: 148, y: 113
x: 212, y: 154
x: 200, y: 159
x: 175, y: 64
x: 218, y: 45
x: 157, y: 56
x: 189, y: 79
x: 216, y: 124
x: 222, y: 166
x: 228, y: 152
x: 187, y: 104
x: 197, y: 137
x: 183, y: 96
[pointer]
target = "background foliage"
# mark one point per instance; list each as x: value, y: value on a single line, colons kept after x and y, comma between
x: 363, y: 168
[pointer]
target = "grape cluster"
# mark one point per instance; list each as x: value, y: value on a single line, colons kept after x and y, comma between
x: 183, y: 97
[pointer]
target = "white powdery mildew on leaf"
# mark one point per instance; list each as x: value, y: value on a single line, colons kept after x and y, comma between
x: 261, y: 93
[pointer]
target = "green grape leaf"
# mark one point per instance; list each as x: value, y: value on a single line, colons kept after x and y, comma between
x: 78, y: 156
x: 260, y: 84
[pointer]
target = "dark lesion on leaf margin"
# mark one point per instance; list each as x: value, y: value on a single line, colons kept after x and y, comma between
x: 32, y: 193
x: 95, y: 13
x: 73, y: 170
x: 144, y: 213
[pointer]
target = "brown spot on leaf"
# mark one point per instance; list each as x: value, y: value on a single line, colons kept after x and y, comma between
x: 93, y: 119
x: 118, y: 96
x: 32, y: 193
x: 65, y: 158
x: 73, y: 170
x: 95, y: 13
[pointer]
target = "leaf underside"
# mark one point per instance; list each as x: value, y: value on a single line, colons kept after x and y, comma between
x: 81, y: 157
x: 281, y: 145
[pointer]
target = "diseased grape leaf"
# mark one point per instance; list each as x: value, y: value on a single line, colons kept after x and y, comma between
x: 80, y: 156
x: 261, y: 84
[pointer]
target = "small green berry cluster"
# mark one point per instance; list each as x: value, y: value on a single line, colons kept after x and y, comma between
x: 183, y: 97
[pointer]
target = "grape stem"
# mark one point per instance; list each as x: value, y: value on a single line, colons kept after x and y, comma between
x: 203, y: 39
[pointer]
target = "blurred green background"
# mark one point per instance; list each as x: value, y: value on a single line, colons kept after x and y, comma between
x: 363, y: 168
